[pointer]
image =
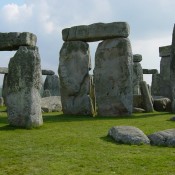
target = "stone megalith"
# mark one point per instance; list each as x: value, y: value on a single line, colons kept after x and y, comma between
x: 165, y: 88
x: 4, y: 88
x: 75, y: 79
x: 113, y: 77
x: 155, y: 85
x: 172, y: 71
x: 137, y: 74
x: 52, y: 83
x: 147, y: 102
x: 24, y: 83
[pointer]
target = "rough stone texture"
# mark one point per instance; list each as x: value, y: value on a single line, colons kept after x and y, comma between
x: 165, y: 87
x: 47, y: 72
x: 3, y: 70
x: 150, y: 71
x: 13, y: 40
x: 113, y: 77
x: 4, y: 89
x: 164, y: 51
x: 163, y: 138
x: 172, y: 71
x: 137, y: 58
x: 138, y: 101
x: 75, y: 80
x: 24, y: 83
x: 51, y: 104
x: 137, y: 77
x: 96, y: 32
x: 147, y: 102
x: 155, y: 85
x: 128, y: 135
x: 46, y: 93
x: 52, y: 83
x: 1, y: 101
x: 162, y: 104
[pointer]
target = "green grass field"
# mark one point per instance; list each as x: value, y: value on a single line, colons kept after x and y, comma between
x: 79, y: 145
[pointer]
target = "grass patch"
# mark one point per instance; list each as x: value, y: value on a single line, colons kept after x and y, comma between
x: 78, y: 145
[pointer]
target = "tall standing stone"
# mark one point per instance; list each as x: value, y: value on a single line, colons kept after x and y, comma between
x: 147, y: 102
x: 113, y: 77
x: 24, y: 83
x: 137, y: 73
x: 52, y: 83
x: 172, y: 71
x: 155, y: 85
x: 4, y: 88
x: 75, y: 79
x: 165, y: 88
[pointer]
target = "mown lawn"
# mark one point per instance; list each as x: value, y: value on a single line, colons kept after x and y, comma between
x: 78, y: 145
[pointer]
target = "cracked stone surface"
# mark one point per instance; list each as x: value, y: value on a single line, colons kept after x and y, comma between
x: 75, y: 80
x: 96, y: 32
x: 24, y: 83
x: 113, y: 77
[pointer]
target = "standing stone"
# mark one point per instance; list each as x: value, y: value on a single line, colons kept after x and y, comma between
x: 147, y: 102
x: 24, y: 83
x: 4, y: 89
x: 172, y: 71
x: 113, y: 77
x: 155, y: 85
x: 137, y: 74
x: 165, y: 88
x: 75, y: 78
x: 47, y: 72
x: 52, y: 83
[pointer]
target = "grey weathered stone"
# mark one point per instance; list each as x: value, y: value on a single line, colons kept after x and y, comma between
x: 3, y: 70
x: 1, y: 101
x: 46, y: 93
x: 172, y: 71
x: 138, y: 101
x: 163, y: 138
x: 113, y: 77
x: 137, y: 77
x: 137, y: 58
x: 52, y: 83
x: 128, y: 135
x: 162, y: 104
x: 147, y: 102
x: 96, y: 32
x: 150, y: 71
x: 51, y: 104
x: 165, y: 87
x: 75, y: 79
x: 24, y: 83
x: 13, y: 40
x: 47, y: 72
x: 4, y: 88
x: 155, y: 85
x: 164, y: 51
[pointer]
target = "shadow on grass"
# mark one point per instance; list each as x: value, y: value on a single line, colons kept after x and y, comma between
x: 73, y: 118
x: 108, y: 139
x: 9, y: 128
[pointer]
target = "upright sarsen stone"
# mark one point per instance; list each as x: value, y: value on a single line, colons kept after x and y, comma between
x: 113, y: 77
x: 24, y: 83
x: 75, y: 79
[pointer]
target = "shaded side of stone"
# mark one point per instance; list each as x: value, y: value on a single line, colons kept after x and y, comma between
x: 96, y: 32
x: 113, y: 77
x: 13, y: 40
x: 52, y: 83
x: 137, y: 58
x: 24, y: 83
x: 150, y: 71
x: 75, y: 80
x: 155, y: 85
x: 4, y: 88
x: 165, y: 51
x: 47, y: 72
x: 147, y: 102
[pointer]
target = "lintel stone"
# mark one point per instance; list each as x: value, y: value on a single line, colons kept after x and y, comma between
x: 96, y: 32
x: 150, y: 71
x: 164, y: 51
x: 13, y: 40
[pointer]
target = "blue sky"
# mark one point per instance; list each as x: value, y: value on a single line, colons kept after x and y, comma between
x: 151, y: 24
